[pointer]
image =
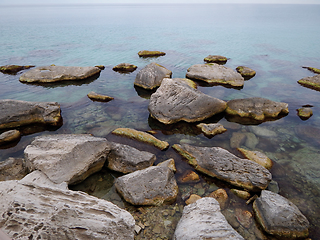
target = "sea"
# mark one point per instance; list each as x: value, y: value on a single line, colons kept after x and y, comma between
x: 277, y: 41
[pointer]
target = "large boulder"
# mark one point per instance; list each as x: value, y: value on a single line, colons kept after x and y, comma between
x: 67, y: 158
x: 151, y: 76
x: 204, y: 220
x: 176, y: 101
x: 127, y: 159
x: 215, y: 73
x: 257, y: 108
x: 220, y: 163
x: 48, y: 74
x: 15, y: 113
x: 311, y: 82
x: 151, y: 186
x: 278, y: 216
x: 36, y: 208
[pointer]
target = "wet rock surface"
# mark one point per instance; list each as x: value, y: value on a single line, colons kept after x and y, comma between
x: 305, y: 113
x: 147, y: 53
x: 13, y: 169
x: 124, y: 68
x: 175, y: 101
x: 211, y: 129
x: 257, y: 157
x: 99, y: 97
x: 13, y: 69
x: 215, y: 59
x: 246, y: 72
x: 311, y: 82
x: 9, y: 136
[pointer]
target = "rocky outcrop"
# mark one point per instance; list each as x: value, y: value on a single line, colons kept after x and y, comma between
x: 204, y: 220
x: 48, y: 74
x: 257, y: 108
x: 15, y: 113
x: 67, y: 157
x: 9, y: 136
x: 36, y: 208
x: 99, y: 97
x: 218, y: 162
x: 124, y: 68
x: 278, y: 216
x: 151, y: 186
x: 13, y: 69
x: 211, y: 129
x: 215, y: 73
x: 151, y: 76
x: 127, y: 159
x: 216, y: 59
x: 146, y: 53
x: 257, y: 157
x: 175, y: 101
x: 141, y: 136
x: 311, y: 82
x: 246, y: 72
x: 13, y: 169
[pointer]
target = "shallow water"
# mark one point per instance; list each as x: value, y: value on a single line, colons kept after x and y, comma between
x: 274, y: 40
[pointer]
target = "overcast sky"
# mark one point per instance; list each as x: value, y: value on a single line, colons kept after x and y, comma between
x: 50, y: 2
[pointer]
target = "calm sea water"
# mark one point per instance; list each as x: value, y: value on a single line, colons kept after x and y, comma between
x: 274, y: 40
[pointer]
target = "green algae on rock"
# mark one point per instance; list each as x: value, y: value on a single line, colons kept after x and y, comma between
x: 216, y: 59
x: 124, y: 68
x: 312, y: 69
x: 99, y: 97
x: 13, y: 69
x: 311, y: 82
x: 141, y: 136
x: 305, y: 113
x: 147, y: 53
x: 246, y: 72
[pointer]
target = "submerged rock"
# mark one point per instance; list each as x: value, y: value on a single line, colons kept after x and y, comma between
x: 146, y: 53
x: 305, y: 113
x: 216, y: 59
x: 221, y: 196
x: 211, y: 129
x: 13, y: 69
x: 176, y: 101
x: 204, y: 220
x: 9, y: 136
x: 36, y: 208
x: 278, y: 216
x: 246, y: 72
x: 13, y: 169
x: 67, y: 158
x: 241, y: 194
x: 215, y: 73
x: 151, y: 186
x: 124, y: 67
x: 15, y: 113
x: 257, y: 157
x: 151, y: 76
x: 311, y: 82
x: 192, y: 199
x: 99, y: 97
x: 218, y: 162
x: 189, y: 177
x: 48, y: 74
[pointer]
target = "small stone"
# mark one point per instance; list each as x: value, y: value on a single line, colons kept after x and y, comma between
x: 305, y: 113
x: 211, y: 129
x: 125, y: 67
x: 137, y: 229
x: 9, y: 136
x: 99, y: 97
x: 189, y: 177
x: 221, y: 196
x: 146, y: 53
x: 246, y: 72
x: 273, y: 187
x: 241, y: 194
x: 216, y: 59
x: 257, y: 157
x: 192, y: 199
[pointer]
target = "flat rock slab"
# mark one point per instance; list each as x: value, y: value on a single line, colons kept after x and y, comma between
x: 311, y: 82
x: 215, y: 73
x: 49, y: 74
x: 151, y: 76
x: 220, y: 163
x: 67, y: 157
x: 176, y: 101
x: 204, y: 220
x: 147, y: 53
x: 256, y: 108
x: 278, y: 216
x: 127, y: 159
x: 151, y: 186
x: 35, y: 208
x: 15, y: 113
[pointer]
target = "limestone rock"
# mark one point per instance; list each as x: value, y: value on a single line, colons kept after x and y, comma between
x: 9, y: 136
x: 124, y: 67
x: 99, y: 97
x: 215, y: 73
x: 246, y: 72
x: 141, y: 136
x: 204, y: 220
x: 256, y: 108
x: 216, y: 59
x: 175, y: 101
x: 257, y: 157
x: 13, y: 169
x: 13, y: 69
x: 48, y: 74
x: 305, y: 113
x: 151, y: 186
x: 151, y: 76
x: 211, y: 129
x: 278, y: 216
x: 192, y: 199
x: 43, y: 210
x: 15, y: 113
x: 67, y: 157
x: 221, y: 196
x: 311, y: 82
x: 126, y: 159
x: 147, y: 53
x: 218, y: 162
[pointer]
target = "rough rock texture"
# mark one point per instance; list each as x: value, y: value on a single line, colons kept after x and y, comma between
x: 215, y: 73
x: 15, y: 113
x: 257, y: 157
x: 305, y: 113
x: 13, y: 169
x: 99, y: 97
x: 175, y: 101
x: 13, y: 69
x: 146, y: 53
x: 204, y: 220
x: 311, y: 82
x: 67, y: 158
x: 278, y: 216
x: 48, y: 74
x: 124, y: 67
x: 246, y: 72
x: 211, y: 129
x: 126, y: 159
x: 218, y: 162
x: 36, y: 208
x: 151, y: 186
x: 256, y: 108
x: 151, y: 76
x: 9, y: 136
x: 141, y: 136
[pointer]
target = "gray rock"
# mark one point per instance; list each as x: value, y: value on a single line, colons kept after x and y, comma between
x: 175, y: 101
x: 218, y: 162
x: 204, y: 220
x: 151, y: 76
x: 9, y: 136
x: 13, y: 169
x: 67, y: 157
x: 125, y: 67
x: 151, y: 186
x: 215, y: 73
x: 127, y: 159
x: 311, y: 82
x: 15, y: 113
x: 48, y: 74
x: 278, y: 216
x: 36, y: 208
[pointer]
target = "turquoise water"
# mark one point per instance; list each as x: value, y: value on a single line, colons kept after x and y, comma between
x: 274, y: 40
